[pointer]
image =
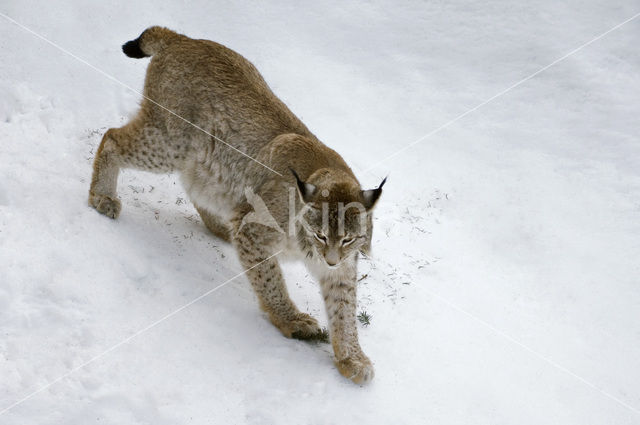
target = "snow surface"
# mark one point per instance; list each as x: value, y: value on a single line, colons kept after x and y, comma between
x: 504, y: 286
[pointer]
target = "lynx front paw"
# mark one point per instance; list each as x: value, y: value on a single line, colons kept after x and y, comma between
x: 358, y: 368
x: 302, y: 326
x: 105, y: 205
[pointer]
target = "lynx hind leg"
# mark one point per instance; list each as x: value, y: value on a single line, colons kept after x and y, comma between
x: 215, y: 224
x: 135, y: 145
x: 106, y: 167
x: 255, y: 245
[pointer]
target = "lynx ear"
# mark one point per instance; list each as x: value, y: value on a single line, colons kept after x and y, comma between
x: 370, y: 197
x: 306, y: 190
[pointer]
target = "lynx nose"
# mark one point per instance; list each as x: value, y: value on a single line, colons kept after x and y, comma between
x: 332, y: 256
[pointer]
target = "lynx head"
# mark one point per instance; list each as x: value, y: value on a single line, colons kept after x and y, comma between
x: 337, y: 218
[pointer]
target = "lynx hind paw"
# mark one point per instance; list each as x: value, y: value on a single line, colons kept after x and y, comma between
x: 357, y: 368
x: 105, y: 205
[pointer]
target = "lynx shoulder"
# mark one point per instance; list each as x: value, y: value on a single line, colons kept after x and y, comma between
x: 256, y: 174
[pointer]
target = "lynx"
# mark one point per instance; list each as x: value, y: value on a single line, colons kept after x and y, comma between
x: 208, y: 114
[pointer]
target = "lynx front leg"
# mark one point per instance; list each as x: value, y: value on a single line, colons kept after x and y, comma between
x: 339, y: 293
x: 253, y: 244
x: 214, y: 224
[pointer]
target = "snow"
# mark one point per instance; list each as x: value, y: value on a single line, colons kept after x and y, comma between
x: 504, y: 282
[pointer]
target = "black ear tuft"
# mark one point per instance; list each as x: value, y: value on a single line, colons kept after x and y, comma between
x: 306, y: 190
x: 370, y: 197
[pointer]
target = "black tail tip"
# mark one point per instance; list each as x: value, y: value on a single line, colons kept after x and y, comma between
x: 133, y: 50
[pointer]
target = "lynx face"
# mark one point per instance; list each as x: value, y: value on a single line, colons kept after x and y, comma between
x: 334, y: 231
x: 337, y: 221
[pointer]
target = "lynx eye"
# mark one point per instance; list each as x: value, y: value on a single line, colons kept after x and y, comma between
x: 347, y: 241
x: 319, y: 236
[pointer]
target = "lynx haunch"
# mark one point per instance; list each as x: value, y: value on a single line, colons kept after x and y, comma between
x: 209, y: 115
